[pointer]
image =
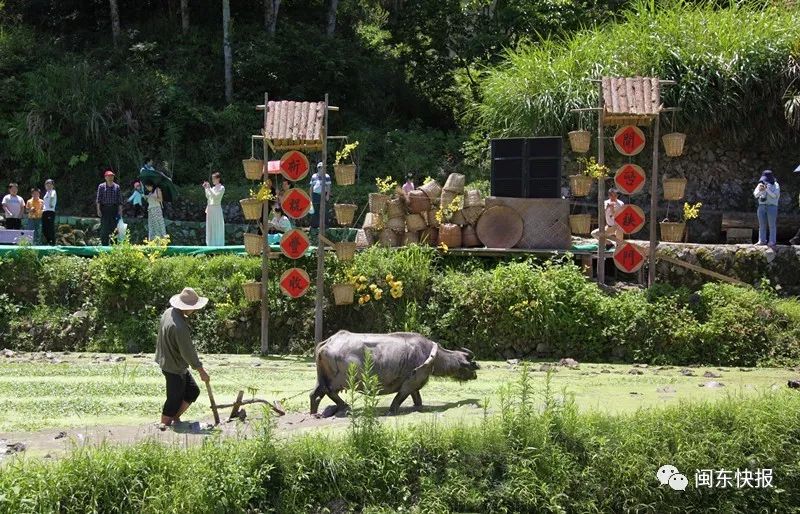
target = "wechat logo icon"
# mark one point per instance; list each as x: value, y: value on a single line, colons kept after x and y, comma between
x: 669, y: 475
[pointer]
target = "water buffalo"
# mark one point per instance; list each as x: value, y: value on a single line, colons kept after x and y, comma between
x: 402, y: 361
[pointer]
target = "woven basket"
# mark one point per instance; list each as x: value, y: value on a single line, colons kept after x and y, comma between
x: 455, y: 182
x: 450, y: 234
x: 411, y: 238
x: 673, y: 143
x: 674, y: 188
x: 415, y: 222
x: 472, y: 214
x: 397, y: 224
x: 345, y: 250
x: 252, y: 291
x: 448, y: 197
x: 345, y: 213
x: 580, y: 185
x: 469, y: 238
x: 372, y: 222
x: 579, y: 140
x: 377, y: 202
x: 253, y: 168
x: 472, y: 198
x: 431, y: 218
x: 580, y: 224
x: 251, y: 208
x: 458, y: 218
x: 254, y: 244
x: 672, y: 232
x: 395, y: 208
x: 429, y: 236
x: 389, y: 238
x: 432, y: 189
x: 345, y: 174
x: 343, y: 294
x: 417, y: 202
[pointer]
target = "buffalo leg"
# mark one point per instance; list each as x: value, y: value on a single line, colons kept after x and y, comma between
x: 398, y: 400
x: 316, y: 397
x: 417, y: 398
x: 333, y: 409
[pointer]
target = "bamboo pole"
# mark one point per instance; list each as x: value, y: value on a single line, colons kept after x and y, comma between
x: 651, y: 275
x: 320, y: 244
x: 265, y: 253
x: 601, y: 213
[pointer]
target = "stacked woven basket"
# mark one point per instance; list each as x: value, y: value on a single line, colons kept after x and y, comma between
x: 411, y: 218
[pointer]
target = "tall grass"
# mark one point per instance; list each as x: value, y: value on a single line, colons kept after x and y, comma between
x: 538, y: 454
x: 733, y: 66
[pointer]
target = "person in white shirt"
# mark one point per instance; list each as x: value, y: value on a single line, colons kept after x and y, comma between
x: 49, y: 215
x: 13, y: 208
x: 612, y: 207
x: 280, y: 222
x: 767, y: 192
x: 215, y: 220
x: 316, y: 195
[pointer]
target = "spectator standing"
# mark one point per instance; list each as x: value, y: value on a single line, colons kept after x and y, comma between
x: 612, y: 206
x: 155, y: 215
x: 767, y: 193
x: 49, y: 212
x: 33, y: 209
x: 148, y: 165
x: 13, y: 208
x: 409, y: 185
x: 316, y: 194
x: 137, y: 199
x: 109, y: 206
x: 215, y: 219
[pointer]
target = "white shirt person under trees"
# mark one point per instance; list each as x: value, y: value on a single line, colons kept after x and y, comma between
x: 612, y: 207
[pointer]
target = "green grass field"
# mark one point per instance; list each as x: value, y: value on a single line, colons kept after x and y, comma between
x: 84, y: 389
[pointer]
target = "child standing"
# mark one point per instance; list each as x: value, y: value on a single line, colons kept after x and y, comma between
x: 136, y: 199
x: 13, y: 208
x: 34, y: 209
x: 49, y: 213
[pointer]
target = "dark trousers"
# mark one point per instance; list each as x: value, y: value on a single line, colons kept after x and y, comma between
x: 316, y: 199
x: 49, y: 227
x: 13, y: 224
x: 180, y: 388
x: 108, y: 222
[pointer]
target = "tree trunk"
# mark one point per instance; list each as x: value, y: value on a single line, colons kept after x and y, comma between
x: 185, y: 16
x: 226, y: 49
x: 271, y: 8
x: 334, y: 5
x: 115, y: 29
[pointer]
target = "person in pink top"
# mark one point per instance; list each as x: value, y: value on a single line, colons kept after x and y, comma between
x: 409, y: 185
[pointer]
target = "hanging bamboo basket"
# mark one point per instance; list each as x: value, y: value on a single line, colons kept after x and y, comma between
x: 580, y: 185
x: 251, y: 207
x: 345, y: 250
x: 580, y: 224
x: 673, y: 143
x: 674, y: 188
x: 343, y: 294
x: 253, y: 244
x: 377, y: 202
x: 253, y: 168
x: 252, y: 291
x: 345, y: 174
x: 579, y: 140
x: 672, y: 232
x: 345, y: 212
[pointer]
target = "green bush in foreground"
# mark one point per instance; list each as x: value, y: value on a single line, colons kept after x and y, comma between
x: 499, y: 309
x: 533, y: 455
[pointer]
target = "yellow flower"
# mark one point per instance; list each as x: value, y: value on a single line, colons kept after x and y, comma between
x: 373, y: 287
x: 396, y: 293
x: 389, y: 277
x: 361, y: 300
x: 378, y: 294
x: 361, y: 287
x: 443, y: 247
x: 362, y: 278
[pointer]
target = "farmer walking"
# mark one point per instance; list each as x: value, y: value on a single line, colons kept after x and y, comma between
x: 175, y: 353
x: 109, y: 206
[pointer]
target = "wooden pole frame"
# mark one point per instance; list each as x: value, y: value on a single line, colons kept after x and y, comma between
x: 651, y: 261
x: 318, y: 321
x: 601, y: 185
x: 265, y: 250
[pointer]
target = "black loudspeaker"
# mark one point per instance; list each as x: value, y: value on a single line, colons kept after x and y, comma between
x: 526, y: 167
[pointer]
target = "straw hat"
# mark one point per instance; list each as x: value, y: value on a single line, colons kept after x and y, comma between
x: 188, y: 300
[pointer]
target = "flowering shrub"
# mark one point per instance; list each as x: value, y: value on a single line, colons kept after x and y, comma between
x: 386, y: 185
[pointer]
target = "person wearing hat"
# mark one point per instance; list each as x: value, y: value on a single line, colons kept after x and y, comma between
x: 175, y: 353
x: 612, y: 206
x: 316, y: 194
x: 767, y: 193
x: 109, y: 206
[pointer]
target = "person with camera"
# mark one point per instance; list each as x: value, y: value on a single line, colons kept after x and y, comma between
x: 767, y: 193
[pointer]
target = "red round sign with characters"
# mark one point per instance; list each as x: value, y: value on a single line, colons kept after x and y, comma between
x: 294, y: 244
x: 628, y: 258
x: 296, y: 203
x: 629, y: 140
x: 630, y: 219
x: 294, y: 282
x: 294, y: 165
x: 630, y: 179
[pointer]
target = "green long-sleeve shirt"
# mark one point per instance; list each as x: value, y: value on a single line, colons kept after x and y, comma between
x: 174, y: 349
